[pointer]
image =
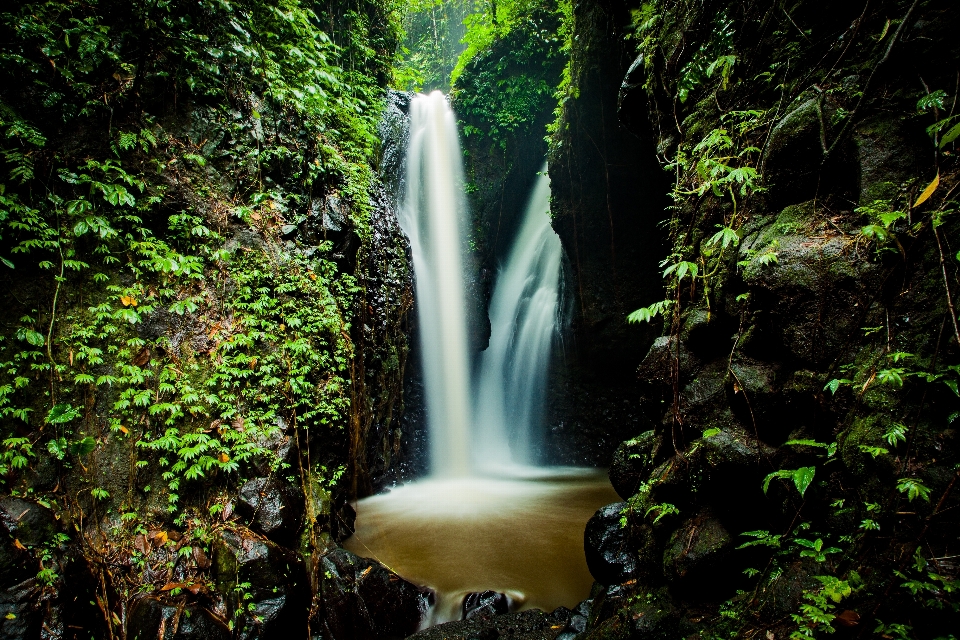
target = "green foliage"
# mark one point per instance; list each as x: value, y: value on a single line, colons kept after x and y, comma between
x: 801, y: 477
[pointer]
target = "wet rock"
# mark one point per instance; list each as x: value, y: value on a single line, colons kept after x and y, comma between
x: 697, y: 552
x: 255, y: 571
x: 152, y: 619
x: 27, y: 521
x: 360, y: 599
x: 632, y: 463
x: 528, y: 625
x: 663, y: 358
x: 891, y: 153
x: 272, y: 508
x: 609, y: 549
x: 485, y: 603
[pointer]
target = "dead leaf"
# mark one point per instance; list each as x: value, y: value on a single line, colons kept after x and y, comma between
x: 365, y: 572
x: 769, y: 635
x: 19, y: 545
x: 849, y: 618
x: 176, y: 536
x: 141, y: 544
x: 141, y: 358
x: 203, y: 562
x: 928, y: 191
x: 238, y: 423
x: 253, y: 363
x: 159, y: 538
x: 173, y: 585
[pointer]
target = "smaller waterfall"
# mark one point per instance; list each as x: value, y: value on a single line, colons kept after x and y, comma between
x: 432, y: 218
x: 511, y: 380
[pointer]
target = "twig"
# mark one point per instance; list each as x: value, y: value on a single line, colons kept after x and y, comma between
x: 946, y: 285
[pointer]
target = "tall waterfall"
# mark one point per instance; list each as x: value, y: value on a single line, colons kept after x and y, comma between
x: 494, y: 430
x: 523, y: 321
x: 433, y: 219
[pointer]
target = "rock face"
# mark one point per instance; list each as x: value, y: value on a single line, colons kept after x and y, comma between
x: 359, y: 598
x: 272, y: 508
x: 611, y: 557
x: 607, y: 201
x: 269, y: 581
x: 151, y: 619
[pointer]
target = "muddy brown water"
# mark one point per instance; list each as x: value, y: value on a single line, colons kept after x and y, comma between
x: 522, y: 536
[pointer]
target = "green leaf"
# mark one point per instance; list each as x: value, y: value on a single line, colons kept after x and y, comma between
x: 802, y: 478
x: 709, y: 433
x: 81, y: 448
x: 950, y: 136
x: 62, y: 414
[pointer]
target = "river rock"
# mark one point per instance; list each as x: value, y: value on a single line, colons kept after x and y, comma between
x: 532, y: 624
x: 252, y: 570
x: 632, y: 463
x: 360, y: 598
x: 272, y: 508
x: 610, y: 554
x: 485, y: 603
x: 150, y: 619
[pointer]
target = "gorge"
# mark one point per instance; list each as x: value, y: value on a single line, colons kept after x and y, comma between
x: 642, y: 326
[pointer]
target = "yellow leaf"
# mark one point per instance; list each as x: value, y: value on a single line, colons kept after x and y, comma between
x: 124, y: 430
x: 313, y: 276
x: 11, y: 616
x: 19, y: 545
x: 224, y: 458
x: 928, y: 191
x: 128, y: 301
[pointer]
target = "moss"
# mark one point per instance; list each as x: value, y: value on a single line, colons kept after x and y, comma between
x: 868, y: 431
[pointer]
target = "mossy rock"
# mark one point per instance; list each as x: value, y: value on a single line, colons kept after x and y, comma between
x: 868, y: 431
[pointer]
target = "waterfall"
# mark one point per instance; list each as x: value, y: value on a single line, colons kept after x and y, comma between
x: 523, y: 318
x: 433, y: 219
x: 495, y: 431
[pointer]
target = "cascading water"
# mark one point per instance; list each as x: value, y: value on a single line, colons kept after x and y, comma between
x: 432, y: 218
x: 523, y: 322
x: 482, y: 520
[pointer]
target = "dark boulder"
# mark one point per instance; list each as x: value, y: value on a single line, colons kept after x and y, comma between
x: 795, y: 163
x: 485, y: 603
x: 697, y: 553
x: 652, y: 616
x: 632, y: 463
x: 272, y: 508
x: 152, y: 619
x: 362, y: 599
x: 251, y: 570
x: 610, y: 552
